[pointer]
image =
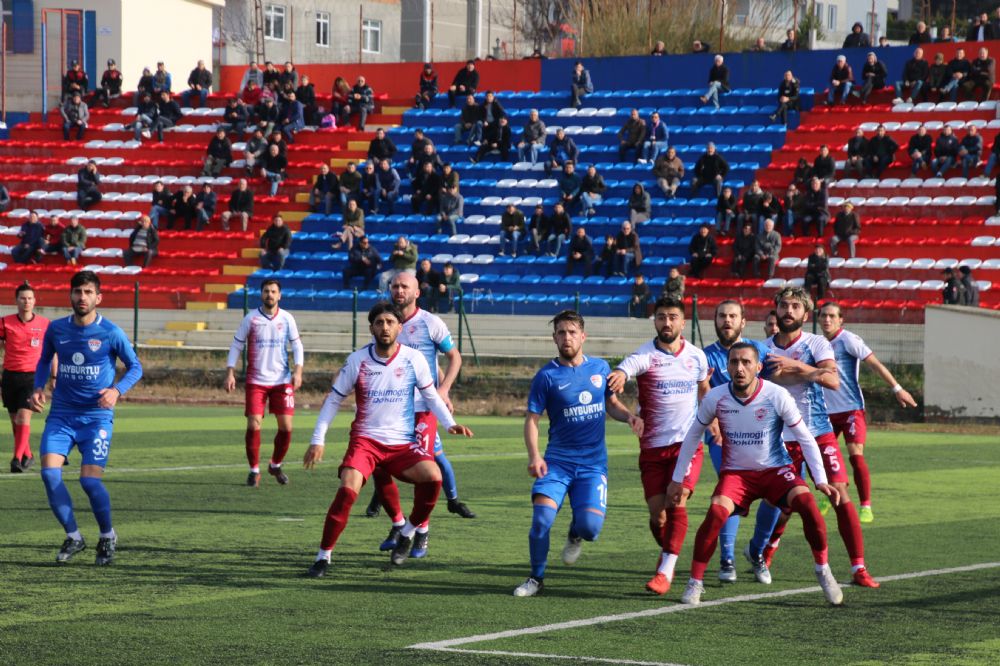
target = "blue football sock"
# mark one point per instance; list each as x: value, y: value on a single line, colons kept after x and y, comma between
x: 538, y: 538
x: 767, y: 518
x: 586, y: 525
x: 59, y: 499
x: 100, y: 501
x: 727, y: 538
x: 448, y: 484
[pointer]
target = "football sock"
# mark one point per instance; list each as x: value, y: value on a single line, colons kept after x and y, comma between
x: 107, y: 535
x: 706, y: 539
x: 667, y: 563
x: 850, y: 531
x: 538, y: 538
x: 767, y: 522
x: 812, y: 524
x: 424, y: 498
x: 336, y: 517
x: 727, y: 537
x: 252, y: 440
x: 324, y: 554
x: 586, y: 525
x: 22, y: 441
x: 862, y: 479
x: 448, y: 483
x: 59, y: 499
x: 675, y: 529
x: 282, y: 440
x: 423, y: 529
x: 654, y: 527
x: 407, y: 530
x: 388, y: 493
x: 100, y: 501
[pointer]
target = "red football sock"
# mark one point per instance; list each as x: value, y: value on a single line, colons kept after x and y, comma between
x: 282, y: 440
x: 388, y: 492
x: 336, y: 517
x: 675, y: 529
x: 779, y: 529
x: 22, y: 441
x: 424, y: 498
x: 862, y: 479
x: 654, y: 527
x: 706, y: 539
x: 850, y: 532
x: 812, y: 524
x: 252, y: 440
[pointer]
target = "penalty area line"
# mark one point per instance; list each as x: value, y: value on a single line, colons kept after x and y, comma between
x: 539, y: 655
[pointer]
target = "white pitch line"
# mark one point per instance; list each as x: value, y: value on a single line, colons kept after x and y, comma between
x: 538, y: 655
x: 663, y: 610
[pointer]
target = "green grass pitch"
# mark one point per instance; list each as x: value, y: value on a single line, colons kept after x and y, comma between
x: 210, y: 571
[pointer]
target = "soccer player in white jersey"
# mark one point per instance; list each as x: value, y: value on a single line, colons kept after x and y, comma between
x: 755, y: 465
x: 382, y: 375
x: 792, y: 353
x: 266, y: 333
x: 847, y: 406
x: 672, y: 376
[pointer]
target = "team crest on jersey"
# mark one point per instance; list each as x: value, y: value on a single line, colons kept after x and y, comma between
x: 35, y: 342
x: 830, y: 451
x: 411, y: 329
x: 94, y: 344
x: 78, y: 359
x: 689, y: 363
x: 102, y: 433
x: 288, y: 390
x: 761, y: 413
x: 597, y: 381
x: 586, y: 398
x: 398, y: 372
x: 421, y: 427
x: 279, y: 326
x: 796, y: 355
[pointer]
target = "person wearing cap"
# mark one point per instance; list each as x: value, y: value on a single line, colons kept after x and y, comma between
x: 466, y: 82
x: 75, y: 114
x: 146, y: 115
x: 111, y: 85
x: 162, y: 81
x: 428, y: 87
x: 952, y: 294
x: 75, y: 80
x: 970, y: 288
x: 254, y: 74
x: 857, y: 38
x: 841, y: 81
x: 873, y: 76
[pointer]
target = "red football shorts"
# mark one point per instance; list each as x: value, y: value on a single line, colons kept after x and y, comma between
x: 280, y: 399
x: 425, y: 426
x: 829, y: 449
x: 364, y: 454
x: 745, y: 486
x: 852, y: 424
x: 656, y: 467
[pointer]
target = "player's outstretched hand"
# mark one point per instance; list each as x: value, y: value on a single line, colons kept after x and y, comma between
x: 904, y: 399
x: 109, y: 398
x: 675, y: 491
x: 830, y: 492
x: 637, y: 424
x: 37, y: 401
x: 458, y: 429
x: 616, y: 381
x: 538, y: 468
x: 313, y: 455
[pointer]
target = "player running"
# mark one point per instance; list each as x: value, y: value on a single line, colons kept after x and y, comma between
x: 755, y: 465
x: 672, y: 376
x: 383, y: 376
x: 21, y: 337
x: 572, y: 389
x: 847, y: 406
x: 82, y: 414
x: 266, y: 333
x: 790, y: 350
x: 429, y: 335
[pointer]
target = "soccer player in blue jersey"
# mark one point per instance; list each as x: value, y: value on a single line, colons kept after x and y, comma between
x: 572, y: 389
x: 82, y: 415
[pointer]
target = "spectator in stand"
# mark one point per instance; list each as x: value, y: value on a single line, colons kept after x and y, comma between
x: 790, y: 43
x: 74, y: 241
x: 580, y: 252
x: 403, y: 259
x: 278, y: 139
x: 289, y: 76
x: 562, y: 150
x: 219, y: 154
x: 382, y: 148
x: 990, y: 162
x: 725, y: 210
x: 452, y: 210
x: 428, y: 156
x: 273, y: 167
x: 971, y: 150
x: 768, y: 249
x: 234, y: 118
x: 824, y: 167
x: 52, y: 236
x: 659, y: 49
x: 945, y: 36
x: 387, y: 188
x: 668, y: 169
x: 451, y: 287
x: 240, y: 205
x: 30, y: 241
x: 569, y: 183
x: 182, y: 206
x: 857, y: 153
x: 252, y: 75
x: 75, y: 114
x: 352, y: 225
x: 815, y: 208
x: 592, y: 189
x: 340, y: 101
x: 538, y: 228
x: 270, y: 75
x: 144, y: 241
x: 770, y: 208
x: 846, y: 229
x: 368, y: 188
x: 698, y: 46
x: 250, y: 97
x: 628, y: 252
x: 145, y: 85
x: 204, y: 205
x: 640, y: 206
x: 873, y: 77
x: 449, y: 177
x: 466, y: 82
x: 4, y: 198
x: 883, y: 42
x: 938, y: 78
x: 945, y: 152
x: 970, y: 288
x: 428, y: 87
x: 788, y: 98
x: 111, y: 85
x: 580, y: 85
x: 490, y: 113
x: 162, y: 81
x: 468, y: 121
x: 306, y: 95
x: 168, y: 114
x: 857, y: 38
x: 952, y: 292
x: 495, y: 139
x: 759, y: 46
x: 560, y: 226
x: 256, y: 147
x: 744, y: 250
x: 363, y: 260
x: 982, y: 76
x: 841, y: 81
x: 532, y: 139
x: 292, y: 117
x: 982, y: 29
x: 718, y: 82
x: 350, y: 184
x: 88, y: 182
x: 429, y: 283
x: 416, y: 150
x: 325, y: 191
x: 803, y: 173
x: 511, y: 229
x: 657, y: 136
x: 605, y: 263
x: 426, y: 195
x: 817, y: 272
x: 147, y: 114
x: 160, y: 204
x: 921, y: 36
x: 362, y: 102
x: 74, y: 81
x: 959, y: 70
x: 750, y: 205
x: 916, y: 71
x: 275, y: 243
x: 639, y: 302
x: 710, y: 169
x: 702, y: 250
x: 631, y: 135
x: 881, y: 152
x: 199, y: 82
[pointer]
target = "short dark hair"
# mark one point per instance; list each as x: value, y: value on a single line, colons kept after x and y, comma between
x: 85, y: 277
x: 384, y: 307
x: 268, y: 282
x: 731, y: 301
x: 832, y: 304
x: 24, y: 286
x: 745, y: 345
x: 772, y: 313
x: 668, y: 302
x: 571, y: 316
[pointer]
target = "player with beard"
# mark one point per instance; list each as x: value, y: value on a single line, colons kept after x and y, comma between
x: 792, y: 353
x: 672, y: 376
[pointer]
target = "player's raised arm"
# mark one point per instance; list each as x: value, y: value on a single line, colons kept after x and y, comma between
x: 536, y: 463
x: 631, y: 366
x: 903, y: 396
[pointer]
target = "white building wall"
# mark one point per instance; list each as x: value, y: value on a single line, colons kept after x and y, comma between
x: 961, y: 363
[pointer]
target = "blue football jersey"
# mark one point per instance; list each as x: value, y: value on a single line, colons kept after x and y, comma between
x: 718, y: 360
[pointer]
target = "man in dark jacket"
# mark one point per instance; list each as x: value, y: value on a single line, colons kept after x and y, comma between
x: 817, y: 272
x: 426, y: 191
x: 364, y: 261
x: 873, y: 76
x: 702, y: 250
x: 982, y: 76
x: 325, y: 191
x: 959, y: 70
x: 921, y: 36
x: 183, y: 205
x: 744, y: 249
x: 219, y: 154
x: 75, y: 114
x: 240, y: 206
x: 857, y: 38
x: 937, y: 78
x: 718, y: 82
x: 428, y: 86
x: 381, y: 147
x: 857, y: 153
x: 204, y: 205
x: 710, y: 169
x: 416, y: 150
x: 168, y: 114
x: 920, y: 149
x: 788, y: 98
x: 815, y: 210
x: 495, y: 139
x: 881, y: 152
x: 199, y: 81
x: 580, y: 84
x: 824, y: 165
x: 466, y: 82
x: 945, y: 152
x: 144, y: 241
x: 562, y: 149
x: 970, y: 150
x: 30, y: 241
x: 580, y: 252
x: 952, y: 294
x: 490, y: 113
x: 292, y: 117
x: 559, y: 229
x: 846, y: 229
x: 469, y: 121
x: 429, y: 283
x: 234, y: 118
x: 841, y: 81
x: 970, y: 288
x: 275, y: 243
x: 915, y: 73
x: 630, y: 135
x: 387, y: 188
x: 362, y: 100
x: 87, y: 186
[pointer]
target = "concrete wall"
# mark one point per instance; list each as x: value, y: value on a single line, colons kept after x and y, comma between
x: 961, y: 362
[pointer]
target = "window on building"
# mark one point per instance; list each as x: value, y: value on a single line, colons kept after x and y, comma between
x: 322, y: 28
x: 371, y: 36
x: 19, y: 19
x: 831, y: 19
x: 274, y: 22
x: 818, y: 7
